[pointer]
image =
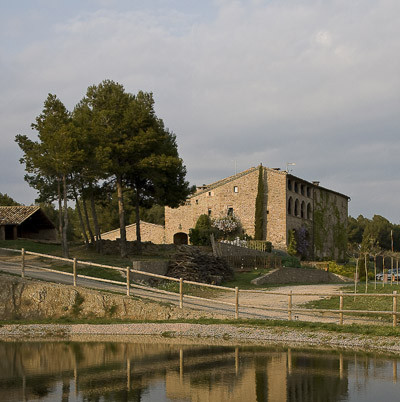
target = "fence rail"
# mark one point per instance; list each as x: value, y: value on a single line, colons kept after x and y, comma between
x: 289, y: 309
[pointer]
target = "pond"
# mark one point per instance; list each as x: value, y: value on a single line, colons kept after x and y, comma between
x: 151, y: 369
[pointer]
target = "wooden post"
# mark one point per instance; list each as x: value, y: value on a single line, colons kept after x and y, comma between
x: 356, y: 278
x: 74, y: 271
x: 392, y: 268
x: 23, y: 263
x: 180, y: 292
x: 366, y: 272
x: 290, y: 305
x: 394, y: 308
x: 375, y: 270
x: 236, y: 302
x: 128, y: 281
x: 384, y: 276
x: 397, y: 271
x: 341, y: 308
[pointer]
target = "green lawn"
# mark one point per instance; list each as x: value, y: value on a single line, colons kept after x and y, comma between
x: 359, y: 302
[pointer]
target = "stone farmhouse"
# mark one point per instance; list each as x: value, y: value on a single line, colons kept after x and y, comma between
x: 25, y: 222
x: 289, y: 204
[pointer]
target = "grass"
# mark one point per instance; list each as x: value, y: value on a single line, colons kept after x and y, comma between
x: 356, y: 329
x: 80, y: 252
x: 378, y: 303
x: 243, y: 279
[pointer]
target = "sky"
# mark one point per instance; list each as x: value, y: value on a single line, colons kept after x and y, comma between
x: 240, y: 82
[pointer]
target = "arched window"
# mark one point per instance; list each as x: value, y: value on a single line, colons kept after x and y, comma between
x: 290, y: 206
x: 309, y: 212
x: 296, y: 208
x: 303, y: 210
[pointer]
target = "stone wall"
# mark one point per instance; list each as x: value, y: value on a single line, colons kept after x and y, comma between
x: 237, y: 192
x: 276, y: 208
x: 153, y: 267
x: 148, y: 231
x: 28, y: 299
x: 330, y: 224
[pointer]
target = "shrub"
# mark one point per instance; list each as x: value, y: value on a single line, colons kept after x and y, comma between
x: 200, y: 235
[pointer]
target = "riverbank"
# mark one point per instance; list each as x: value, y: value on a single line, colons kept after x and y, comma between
x: 197, y: 334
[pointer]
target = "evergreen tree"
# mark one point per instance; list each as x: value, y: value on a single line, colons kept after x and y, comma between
x: 259, y: 213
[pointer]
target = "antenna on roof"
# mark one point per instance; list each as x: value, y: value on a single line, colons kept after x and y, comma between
x: 289, y: 164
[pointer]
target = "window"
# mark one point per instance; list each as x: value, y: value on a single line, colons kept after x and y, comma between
x: 230, y: 211
x: 290, y: 206
x: 235, y: 189
x: 303, y: 210
x: 296, y: 187
x: 301, y: 189
x: 309, y: 216
x: 289, y: 184
x: 296, y: 208
x: 209, y: 194
x: 209, y: 211
x: 308, y: 192
x: 197, y: 202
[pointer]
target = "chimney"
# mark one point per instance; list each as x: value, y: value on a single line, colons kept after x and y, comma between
x: 316, y: 183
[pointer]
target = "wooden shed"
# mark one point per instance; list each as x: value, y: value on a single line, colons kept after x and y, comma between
x: 25, y: 222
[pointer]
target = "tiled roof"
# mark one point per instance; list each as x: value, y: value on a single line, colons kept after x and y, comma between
x: 16, y: 215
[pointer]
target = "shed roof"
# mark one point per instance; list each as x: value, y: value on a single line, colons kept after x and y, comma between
x: 16, y: 215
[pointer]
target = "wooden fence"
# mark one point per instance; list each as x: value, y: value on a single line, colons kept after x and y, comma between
x: 288, y: 309
x: 250, y: 262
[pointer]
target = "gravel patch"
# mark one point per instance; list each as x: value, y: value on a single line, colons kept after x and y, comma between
x: 196, y: 333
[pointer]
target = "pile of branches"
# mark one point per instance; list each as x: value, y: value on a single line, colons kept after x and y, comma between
x: 192, y: 264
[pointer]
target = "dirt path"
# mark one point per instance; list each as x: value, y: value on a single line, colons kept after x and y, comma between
x: 270, y: 301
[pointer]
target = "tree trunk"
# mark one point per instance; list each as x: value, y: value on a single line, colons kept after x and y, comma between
x: 121, y: 212
x: 137, y: 210
x: 85, y: 211
x: 99, y: 247
x: 78, y: 208
x: 65, y: 228
x: 60, y: 223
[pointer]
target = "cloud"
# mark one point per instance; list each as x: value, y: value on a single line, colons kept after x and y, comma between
x: 312, y: 82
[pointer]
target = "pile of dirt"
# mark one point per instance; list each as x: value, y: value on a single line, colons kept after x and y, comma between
x: 192, y: 264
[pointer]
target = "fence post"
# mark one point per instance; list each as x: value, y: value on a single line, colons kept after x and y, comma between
x: 392, y: 268
x: 341, y: 308
x: 23, y: 263
x: 394, y: 308
x: 74, y: 271
x: 180, y: 292
x: 236, y: 302
x: 128, y: 281
x: 290, y: 306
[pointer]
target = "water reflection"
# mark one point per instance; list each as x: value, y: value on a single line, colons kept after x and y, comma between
x: 154, y: 371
